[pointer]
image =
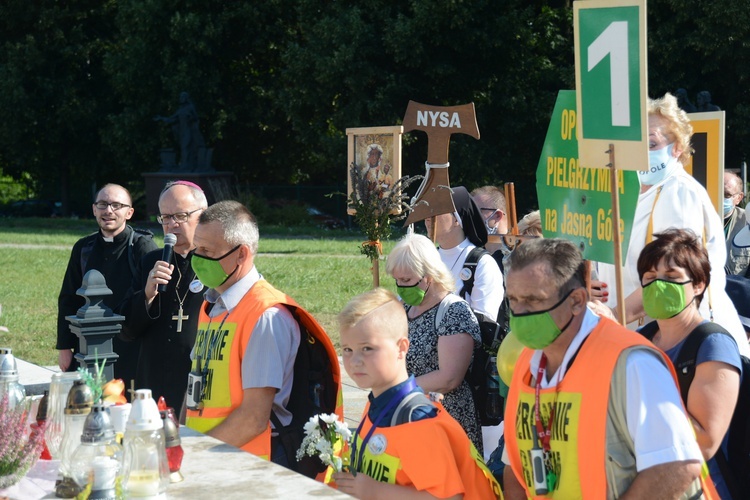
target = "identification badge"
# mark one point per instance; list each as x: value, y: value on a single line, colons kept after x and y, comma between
x: 196, y: 286
x: 465, y: 274
x: 377, y: 444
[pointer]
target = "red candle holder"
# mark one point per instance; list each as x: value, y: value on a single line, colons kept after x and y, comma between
x: 173, y: 443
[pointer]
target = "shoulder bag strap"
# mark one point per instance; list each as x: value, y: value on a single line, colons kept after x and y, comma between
x: 685, y: 363
x: 443, y: 307
x: 471, y: 262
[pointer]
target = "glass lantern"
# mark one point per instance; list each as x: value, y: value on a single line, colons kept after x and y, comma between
x: 97, y: 460
x: 41, y: 418
x: 145, y: 465
x: 173, y: 444
x: 80, y: 400
x: 58, y: 400
x: 9, y: 383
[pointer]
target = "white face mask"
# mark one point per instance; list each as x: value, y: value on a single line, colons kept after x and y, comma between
x: 661, y: 165
x: 490, y: 230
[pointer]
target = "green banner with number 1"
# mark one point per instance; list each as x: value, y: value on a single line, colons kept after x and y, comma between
x: 611, y: 82
x: 610, y: 100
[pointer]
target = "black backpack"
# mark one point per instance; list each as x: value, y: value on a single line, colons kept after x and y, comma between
x: 316, y: 389
x: 137, y: 234
x: 735, y: 465
x: 492, y: 334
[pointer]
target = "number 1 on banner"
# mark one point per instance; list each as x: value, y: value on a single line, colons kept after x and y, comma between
x: 609, y: 75
x: 613, y: 42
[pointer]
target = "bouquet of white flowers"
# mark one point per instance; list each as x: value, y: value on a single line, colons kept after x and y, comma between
x: 326, y: 438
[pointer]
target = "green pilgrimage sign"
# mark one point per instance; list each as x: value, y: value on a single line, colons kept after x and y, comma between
x: 575, y: 202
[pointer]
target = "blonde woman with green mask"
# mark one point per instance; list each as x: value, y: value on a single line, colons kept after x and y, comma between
x: 440, y: 349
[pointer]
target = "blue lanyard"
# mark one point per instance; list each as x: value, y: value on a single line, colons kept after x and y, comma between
x: 408, y: 386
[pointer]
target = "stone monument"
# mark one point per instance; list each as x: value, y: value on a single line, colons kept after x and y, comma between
x: 194, y: 155
x: 704, y: 102
x: 188, y: 159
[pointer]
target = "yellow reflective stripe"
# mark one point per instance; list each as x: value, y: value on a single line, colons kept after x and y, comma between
x: 203, y: 424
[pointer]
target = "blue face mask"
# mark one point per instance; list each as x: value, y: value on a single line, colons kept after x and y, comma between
x: 661, y: 164
x: 728, y: 206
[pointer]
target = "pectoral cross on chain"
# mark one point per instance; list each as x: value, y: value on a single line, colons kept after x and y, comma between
x: 179, y: 317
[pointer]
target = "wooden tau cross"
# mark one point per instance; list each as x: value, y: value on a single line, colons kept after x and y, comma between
x: 178, y: 318
x: 439, y: 122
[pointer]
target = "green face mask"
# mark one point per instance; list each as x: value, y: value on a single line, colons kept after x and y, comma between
x: 209, y: 271
x: 664, y: 299
x: 411, y: 295
x: 537, y: 330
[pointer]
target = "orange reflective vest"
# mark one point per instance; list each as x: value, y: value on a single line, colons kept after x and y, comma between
x: 578, y: 446
x: 432, y: 455
x: 224, y: 393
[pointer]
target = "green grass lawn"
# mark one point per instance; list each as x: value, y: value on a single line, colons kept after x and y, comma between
x: 320, y: 269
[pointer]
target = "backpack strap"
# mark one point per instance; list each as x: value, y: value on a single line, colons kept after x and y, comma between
x: 649, y: 330
x: 685, y: 363
x: 685, y: 368
x: 406, y: 407
x: 443, y: 307
x: 135, y: 235
x: 471, y: 264
x: 727, y: 473
x: 86, y: 250
x: 276, y: 422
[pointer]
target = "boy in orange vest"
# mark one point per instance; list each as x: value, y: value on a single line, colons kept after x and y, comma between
x: 405, y: 443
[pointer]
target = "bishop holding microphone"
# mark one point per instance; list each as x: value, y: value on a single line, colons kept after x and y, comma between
x: 162, y: 308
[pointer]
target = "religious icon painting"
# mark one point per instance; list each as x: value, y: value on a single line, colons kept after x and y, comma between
x: 374, y: 162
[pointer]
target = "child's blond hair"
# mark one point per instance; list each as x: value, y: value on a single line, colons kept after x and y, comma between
x: 390, y: 315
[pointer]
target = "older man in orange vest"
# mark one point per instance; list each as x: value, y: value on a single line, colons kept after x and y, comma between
x: 242, y: 374
x: 593, y: 410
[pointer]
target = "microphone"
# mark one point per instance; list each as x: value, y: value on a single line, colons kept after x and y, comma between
x: 169, y: 242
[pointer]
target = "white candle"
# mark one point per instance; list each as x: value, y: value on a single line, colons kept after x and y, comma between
x: 143, y: 483
x: 105, y: 473
x: 118, y: 415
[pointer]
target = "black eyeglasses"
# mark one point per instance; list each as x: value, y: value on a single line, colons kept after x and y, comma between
x: 179, y: 218
x: 103, y: 205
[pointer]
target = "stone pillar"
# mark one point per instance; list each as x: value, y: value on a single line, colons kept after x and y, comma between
x: 95, y: 325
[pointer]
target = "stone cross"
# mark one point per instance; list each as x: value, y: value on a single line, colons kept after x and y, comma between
x: 439, y: 122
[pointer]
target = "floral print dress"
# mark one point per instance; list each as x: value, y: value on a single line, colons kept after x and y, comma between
x: 422, y: 358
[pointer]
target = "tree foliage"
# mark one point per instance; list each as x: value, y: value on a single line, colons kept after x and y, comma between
x: 53, y: 92
x: 277, y: 83
x: 703, y: 46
